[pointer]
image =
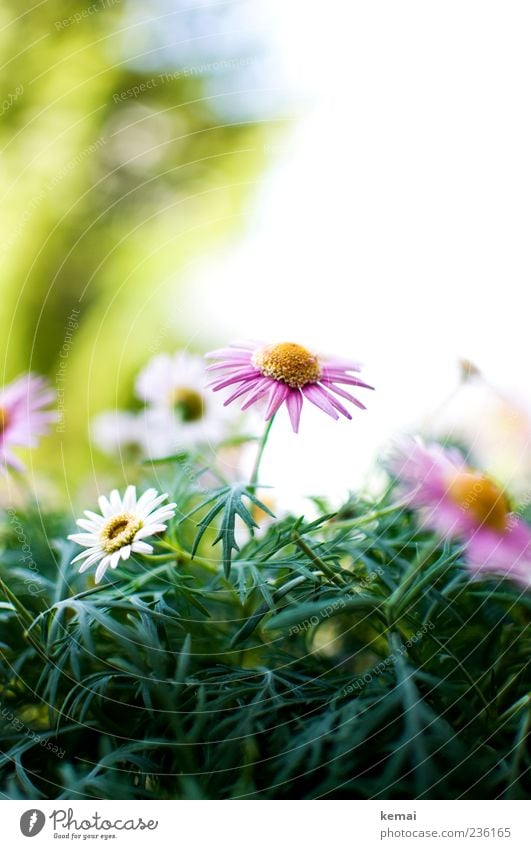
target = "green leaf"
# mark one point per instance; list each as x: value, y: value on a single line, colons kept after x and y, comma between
x: 320, y: 610
x: 228, y: 501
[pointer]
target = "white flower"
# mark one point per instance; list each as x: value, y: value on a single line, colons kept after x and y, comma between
x: 121, y: 528
x: 179, y: 412
x: 117, y: 431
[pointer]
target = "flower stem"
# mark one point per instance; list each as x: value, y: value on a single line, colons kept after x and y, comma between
x: 372, y: 516
x: 397, y: 598
x: 261, y: 448
x: 317, y: 561
x: 184, y: 557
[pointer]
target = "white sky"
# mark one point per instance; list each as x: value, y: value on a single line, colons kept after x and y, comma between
x: 394, y: 227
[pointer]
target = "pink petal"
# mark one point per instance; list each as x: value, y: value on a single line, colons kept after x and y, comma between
x: 237, y: 378
x: 261, y: 388
x: 234, y: 352
x: 314, y: 393
x: 334, y: 377
x: 344, y: 394
x: 278, y: 395
x: 339, y: 364
x: 508, y: 553
x: 294, y: 404
x: 242, y: 390
x: 335, y: 403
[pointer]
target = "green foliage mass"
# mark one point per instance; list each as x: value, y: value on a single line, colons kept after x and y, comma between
x: 346, y: 656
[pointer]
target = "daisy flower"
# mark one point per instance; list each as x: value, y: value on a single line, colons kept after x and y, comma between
x: 494, y: 424
x: 121, y: 528
x: 285, y: 373
x: 458, y: 501
x: 23, y: 417
x: 117, y: 431
x: 179, y: 412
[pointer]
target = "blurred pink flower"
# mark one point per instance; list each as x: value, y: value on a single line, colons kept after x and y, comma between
x: 285, y: 373
x: 457, y: 501
x: 23, y: 417
x: 494, y: 423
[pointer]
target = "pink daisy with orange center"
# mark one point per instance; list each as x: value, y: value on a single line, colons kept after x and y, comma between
x: 285, y: 373
x: 461, y: 502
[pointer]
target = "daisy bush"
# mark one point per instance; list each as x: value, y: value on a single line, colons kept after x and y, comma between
x: 185, y: 636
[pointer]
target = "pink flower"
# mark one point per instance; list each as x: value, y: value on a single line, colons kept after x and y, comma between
x: 22, y: 417
x: 285, y: 373
x: 460, y: 502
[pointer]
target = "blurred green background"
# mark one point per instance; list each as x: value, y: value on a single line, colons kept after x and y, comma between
x: 131, y: 142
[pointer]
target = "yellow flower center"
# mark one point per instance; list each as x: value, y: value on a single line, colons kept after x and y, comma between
x: 119, y: 531
x: 289, y: 363
x: 482, y: 498
x: 4, y: 420
x: 188, y: 403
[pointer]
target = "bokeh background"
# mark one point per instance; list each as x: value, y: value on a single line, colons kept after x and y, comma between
x: 179, y: 173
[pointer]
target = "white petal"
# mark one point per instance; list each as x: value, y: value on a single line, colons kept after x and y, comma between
x: 116, y: 501
x: 90, y: 561
x: 155, y: 380
x: 88, y: 552
x: 84, y: 539
x: 105, y: 506
x: 141, y: 548
x: 130, y: 498
x: 146, y: 498
x: 149, y: 530
x: 153, y: 504
x: 115, y: 559
x: 102, y: 568
x: 125, y: 552
x: 156, y: 519
x: 166, y: 512
x: 95, y: 517
x: 87, y: 525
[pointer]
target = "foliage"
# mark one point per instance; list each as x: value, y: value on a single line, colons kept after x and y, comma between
x: 347, y: 655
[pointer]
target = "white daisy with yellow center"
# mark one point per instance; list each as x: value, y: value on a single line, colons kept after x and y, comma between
x: 179, y: 412
x: 121, y: 528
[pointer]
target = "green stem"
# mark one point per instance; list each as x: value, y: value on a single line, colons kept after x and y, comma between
x: 261, y: 448
x: 370, y: 517
x: 183, y: 556
x: 179, y: 555
x: 438, y: 569
x: 317, y: 561
x: 411, y: 575
x: 250, y: 625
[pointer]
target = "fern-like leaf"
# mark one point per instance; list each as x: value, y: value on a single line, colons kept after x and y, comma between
x: 228, y: 501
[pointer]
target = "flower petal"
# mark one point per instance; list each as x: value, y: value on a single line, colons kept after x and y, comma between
x: 145, y: 501
x: 105, y: 506
x: 90, y: 561
x: 129, y: 500
x: 141, y: 547
x: 278, y: 395
x: 314, y: 393
x: 294, y: 404
x: 84, y: 539
x: 344, y: 394
x: 116, y: 501
x: 102, y: 568
x: 87, y: 553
